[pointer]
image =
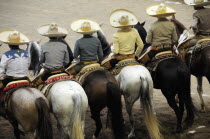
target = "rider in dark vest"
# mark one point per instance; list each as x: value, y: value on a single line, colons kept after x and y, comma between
x: 125, y: 39
x: 14, y: 63
x: 54, y: 53
x: 162, y: 34
x: 88, y: 49
x: 200, y: 24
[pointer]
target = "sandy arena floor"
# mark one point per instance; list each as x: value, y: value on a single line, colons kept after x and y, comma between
x: 27, y: 15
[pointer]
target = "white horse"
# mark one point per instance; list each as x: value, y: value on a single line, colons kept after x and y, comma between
x: 68, y: 102
x: 136, y: 82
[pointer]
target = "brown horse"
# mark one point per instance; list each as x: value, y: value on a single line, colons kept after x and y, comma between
x: 103, y: 91
x: 29, y: 108
x: 199, y: 67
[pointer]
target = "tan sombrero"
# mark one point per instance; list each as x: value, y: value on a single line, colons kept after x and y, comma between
x: 197, y: 3
x: 85, y: 26
x: 122, y: 18
x: 160, y: 10
x: 13, y: 37
x: 52, y: 30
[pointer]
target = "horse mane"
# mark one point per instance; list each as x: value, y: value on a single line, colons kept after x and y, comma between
x: 104, y: 43
x: 141, y: 30
x: 34, y: 51
x: 179, y: 26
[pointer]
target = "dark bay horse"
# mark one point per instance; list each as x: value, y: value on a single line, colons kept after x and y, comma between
x: 172, y: 77
x: 200, y: 67
x: 103, y: 91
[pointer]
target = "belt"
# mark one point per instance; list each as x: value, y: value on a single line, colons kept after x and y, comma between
x: 204, y: 33
x: 88, y: 62
x: 164, y: 46
x: 124, y: 56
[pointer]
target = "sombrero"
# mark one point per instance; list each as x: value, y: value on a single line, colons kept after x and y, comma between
x: 13, y: 37
x: 197, y: 3
x: 122, y: 18
x: 85, y: 26
x: 160, y: 10
x: 52, y: 30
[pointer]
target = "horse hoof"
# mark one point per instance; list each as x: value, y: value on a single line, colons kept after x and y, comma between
x: 94, y: 137
x: 178, y: 131
x: 131, y: 135
x: 203, y: 110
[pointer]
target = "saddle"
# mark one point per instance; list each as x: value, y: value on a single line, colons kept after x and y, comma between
x: 195, y: 50
x: 52, y: 80
x: 86, y: 71
x: 159, y: 57
x: 123, y: 63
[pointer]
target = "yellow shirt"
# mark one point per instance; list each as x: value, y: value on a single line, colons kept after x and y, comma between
x: 125, y: 40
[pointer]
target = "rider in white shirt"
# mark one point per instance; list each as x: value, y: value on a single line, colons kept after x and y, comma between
x: 14, y: 63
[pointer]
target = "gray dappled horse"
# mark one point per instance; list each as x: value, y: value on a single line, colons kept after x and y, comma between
x: 135, y: 82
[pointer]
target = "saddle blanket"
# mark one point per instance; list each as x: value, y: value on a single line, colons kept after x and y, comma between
x: 159, y: 57
x: 86, y: 71
x: 57, y: 77
x: 123, y: 63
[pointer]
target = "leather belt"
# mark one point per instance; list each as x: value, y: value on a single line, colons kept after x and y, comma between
x: 204, y: 33
x: 164, y: 46
x: 122, y: 56
x: 88, y: 62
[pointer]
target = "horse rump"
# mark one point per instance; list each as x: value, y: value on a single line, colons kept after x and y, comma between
x: 44, y: 128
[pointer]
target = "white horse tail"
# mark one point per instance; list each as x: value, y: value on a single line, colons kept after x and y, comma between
x: 76, y: 118
x: 151, y: 121
x: 44, y: 128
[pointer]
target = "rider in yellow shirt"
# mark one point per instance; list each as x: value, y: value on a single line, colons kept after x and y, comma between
x: 125, y: 39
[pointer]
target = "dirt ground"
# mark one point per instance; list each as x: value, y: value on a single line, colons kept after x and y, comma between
x: 27, y: 15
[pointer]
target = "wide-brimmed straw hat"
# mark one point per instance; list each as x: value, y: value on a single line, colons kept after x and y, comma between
x: 197, y: 3
x: 52, y: 30
x: 122, y: 18
x: 160, y: 10
x: 85, y: 26
x: 13, y: 37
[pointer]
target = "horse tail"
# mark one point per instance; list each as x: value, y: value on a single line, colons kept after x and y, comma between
x: 115, y: 106
x: 44, y: 130
x: 151, y: 121
x: 185, y: 94
x: 76, y: 131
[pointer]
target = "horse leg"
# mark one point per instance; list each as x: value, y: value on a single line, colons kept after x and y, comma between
x: 29, y: 135
x: 96, y: 117
x: 181, y: 106
x: 17, y: 131
x: 129, y: 106
x: 200, y: 92
x: 172, y: 103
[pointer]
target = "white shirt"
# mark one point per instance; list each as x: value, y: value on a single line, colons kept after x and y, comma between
x: 15, y: 63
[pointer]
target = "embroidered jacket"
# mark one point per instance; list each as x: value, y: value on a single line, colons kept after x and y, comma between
x: 15, y: 63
